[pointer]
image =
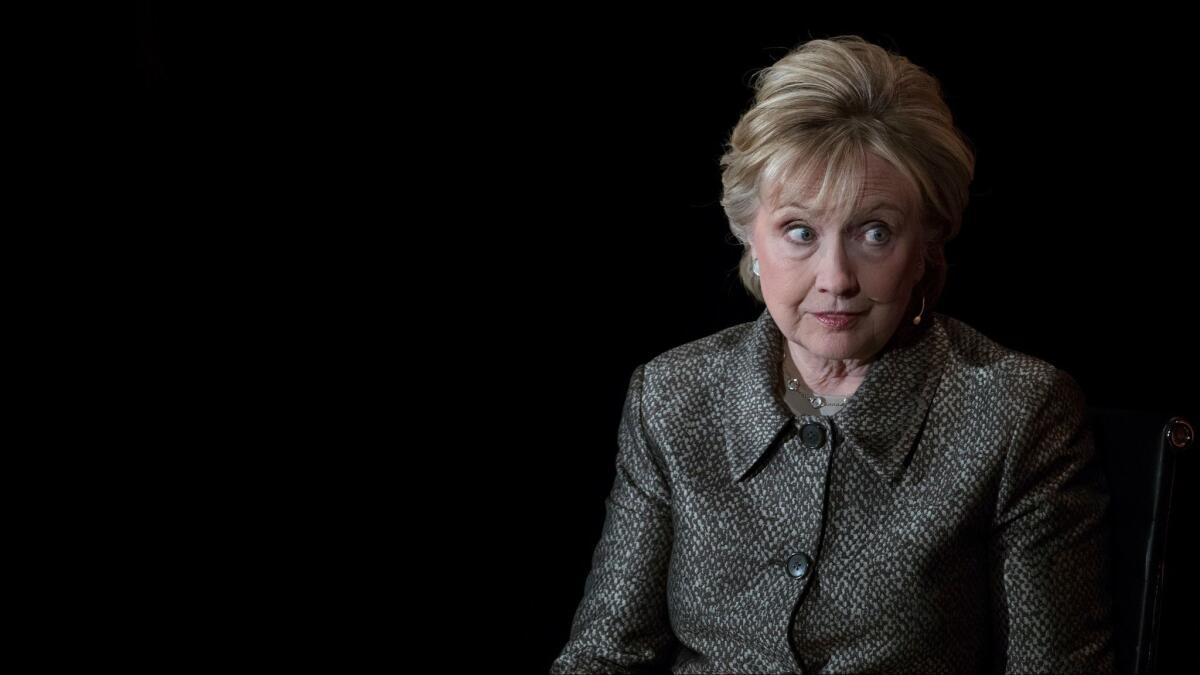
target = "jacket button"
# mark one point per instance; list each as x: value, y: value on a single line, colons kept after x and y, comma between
x: 813, y: 435
x: 798, y: 565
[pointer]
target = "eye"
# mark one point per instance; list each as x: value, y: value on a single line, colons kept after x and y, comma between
x: 883, y: 234
x: 800, y: 238
x: 883, y: 238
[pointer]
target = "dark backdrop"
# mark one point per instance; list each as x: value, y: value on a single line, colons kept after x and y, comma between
x: 1078, y: 244
x: 532, y: 202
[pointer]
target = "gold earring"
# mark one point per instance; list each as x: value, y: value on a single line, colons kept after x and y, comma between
x: 917, y: 318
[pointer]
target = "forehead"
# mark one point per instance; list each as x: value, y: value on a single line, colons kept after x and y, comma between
x: 880, y: 184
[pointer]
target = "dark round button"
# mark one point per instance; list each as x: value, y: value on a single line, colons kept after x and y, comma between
x: 798, y: 565
x: 813, y: 435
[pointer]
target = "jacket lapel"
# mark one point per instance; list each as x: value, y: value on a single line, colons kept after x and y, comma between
x: 755, y: 414
x: 881, y: 420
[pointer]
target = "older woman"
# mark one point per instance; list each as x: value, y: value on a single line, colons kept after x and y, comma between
x: 852, y: 482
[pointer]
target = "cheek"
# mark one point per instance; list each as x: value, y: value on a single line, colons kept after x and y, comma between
x: 786, y: 280
x: 785, y: 291
x: 893, y: 274
x: 875, y: 280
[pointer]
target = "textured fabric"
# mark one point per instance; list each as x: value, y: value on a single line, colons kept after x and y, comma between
x: 953, y: 511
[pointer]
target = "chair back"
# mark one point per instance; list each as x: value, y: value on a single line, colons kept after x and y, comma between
x: 1139, y: 451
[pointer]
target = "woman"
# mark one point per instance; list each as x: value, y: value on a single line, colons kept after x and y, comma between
x: 852, y: 482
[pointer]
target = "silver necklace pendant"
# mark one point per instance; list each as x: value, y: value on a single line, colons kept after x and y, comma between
x: 817, y: 400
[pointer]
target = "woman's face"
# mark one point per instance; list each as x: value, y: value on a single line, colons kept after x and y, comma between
x: 866, y: 259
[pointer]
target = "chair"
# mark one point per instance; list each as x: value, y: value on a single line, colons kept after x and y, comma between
x: 1139, y: 451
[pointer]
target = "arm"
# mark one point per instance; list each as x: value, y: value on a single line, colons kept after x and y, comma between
x: 621, y: 625
x: 1049, y: 550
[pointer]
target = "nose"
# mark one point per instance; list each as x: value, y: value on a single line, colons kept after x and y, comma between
x: 835, y: 271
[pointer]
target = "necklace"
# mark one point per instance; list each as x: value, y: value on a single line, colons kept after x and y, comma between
x: 817, y: 400
x: 794, y: 383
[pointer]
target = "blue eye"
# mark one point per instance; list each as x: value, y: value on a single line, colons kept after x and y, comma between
x: 884, y: 240
x: 878, y: 240
x: 799, y: 227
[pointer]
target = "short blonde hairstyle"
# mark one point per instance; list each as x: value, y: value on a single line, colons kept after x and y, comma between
x: 817, y: 111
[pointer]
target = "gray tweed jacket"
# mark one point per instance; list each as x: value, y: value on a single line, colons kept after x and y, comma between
x: 950, y: 519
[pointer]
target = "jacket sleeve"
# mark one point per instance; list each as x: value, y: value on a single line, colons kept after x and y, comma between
x: 622, y: 623
x: 1050, y: 556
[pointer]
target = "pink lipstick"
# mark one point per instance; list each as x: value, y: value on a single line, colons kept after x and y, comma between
x: 837, y: 319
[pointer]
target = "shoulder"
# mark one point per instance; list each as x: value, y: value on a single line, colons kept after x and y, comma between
x: 685, y: 382
x: 1003, y: 373
x: 695, y: 363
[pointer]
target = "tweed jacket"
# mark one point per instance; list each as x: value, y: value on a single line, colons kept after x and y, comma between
x: 951, y: 518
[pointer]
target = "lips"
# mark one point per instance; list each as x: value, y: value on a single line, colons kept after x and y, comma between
x: 836, y: 319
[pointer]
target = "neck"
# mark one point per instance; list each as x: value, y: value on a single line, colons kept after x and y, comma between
x: 823, y: 376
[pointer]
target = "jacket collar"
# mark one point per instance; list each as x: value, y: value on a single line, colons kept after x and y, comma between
x: 880, y: 421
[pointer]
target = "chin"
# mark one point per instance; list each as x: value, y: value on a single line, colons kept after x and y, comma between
x: 821, y: 337
x: 834, y: 344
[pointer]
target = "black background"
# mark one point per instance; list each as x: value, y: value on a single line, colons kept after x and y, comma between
x: 484, y: 222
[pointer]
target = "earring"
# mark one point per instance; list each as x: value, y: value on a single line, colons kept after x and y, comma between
x: 756, y: 268
x: 917, y: 318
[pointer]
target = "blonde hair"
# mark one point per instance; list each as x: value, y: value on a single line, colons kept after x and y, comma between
x: 817, y: 111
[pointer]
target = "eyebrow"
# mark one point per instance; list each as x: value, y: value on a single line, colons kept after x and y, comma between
x: 876, y: 206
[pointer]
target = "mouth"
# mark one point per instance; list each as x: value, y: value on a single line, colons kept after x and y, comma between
x: 836, y: 319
